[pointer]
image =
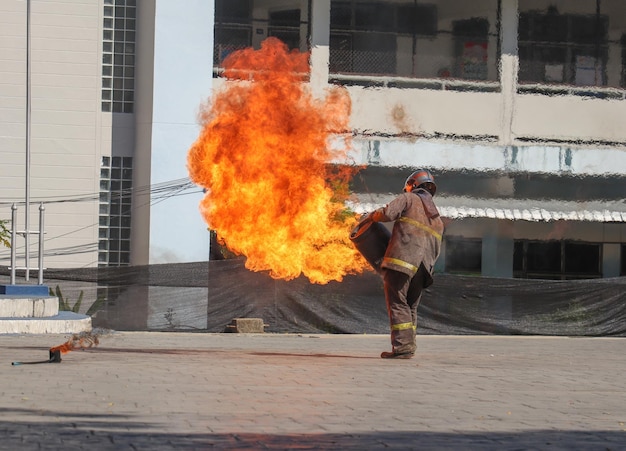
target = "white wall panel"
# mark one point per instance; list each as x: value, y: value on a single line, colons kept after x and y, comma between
x: 90, y: 105
x: 60, y: 34
x: 61, y: 94
x: 13, y: 96
x: 63, y: 170
x: 569, y: 118
x: 81, y: 46
x: 49, y: 67
x: 424, y: 111
x: 11, y: 129
x: 64, y: 56
x: 12, y: 69
x: 48, y: 22
x: 10, y: 115
x: 65, y: 118
x: 47, y: 130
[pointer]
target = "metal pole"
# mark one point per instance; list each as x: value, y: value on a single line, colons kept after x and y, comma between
x: 41, y: 210
x: 27, y: 194
x: 13, y: 235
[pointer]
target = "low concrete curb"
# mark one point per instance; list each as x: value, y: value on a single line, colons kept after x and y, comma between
x: 62, y: 323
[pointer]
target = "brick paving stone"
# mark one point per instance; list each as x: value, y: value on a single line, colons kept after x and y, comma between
x: 195, y: 391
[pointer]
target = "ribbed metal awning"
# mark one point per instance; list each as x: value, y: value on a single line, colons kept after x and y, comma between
x: 511, y: 209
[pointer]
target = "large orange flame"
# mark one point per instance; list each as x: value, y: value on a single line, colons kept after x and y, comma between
x: 264, y: 158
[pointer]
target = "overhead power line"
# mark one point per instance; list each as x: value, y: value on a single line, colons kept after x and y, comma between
x: 154, y: 189
x: 158, y: 192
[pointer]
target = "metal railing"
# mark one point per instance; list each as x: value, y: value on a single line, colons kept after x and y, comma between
x: 14, y: 233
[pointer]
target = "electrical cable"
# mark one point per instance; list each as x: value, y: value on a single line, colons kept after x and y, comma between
x: 159, y: 192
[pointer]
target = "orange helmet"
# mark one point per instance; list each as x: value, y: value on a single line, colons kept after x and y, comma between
x: 422, y: 178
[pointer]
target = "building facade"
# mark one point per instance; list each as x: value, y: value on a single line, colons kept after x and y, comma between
x: 516, y: 106
x: 98, y: 110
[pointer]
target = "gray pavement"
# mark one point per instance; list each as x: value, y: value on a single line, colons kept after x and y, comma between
x: 182, y: 391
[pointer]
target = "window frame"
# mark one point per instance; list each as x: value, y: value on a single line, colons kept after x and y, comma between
x: 562, y: 273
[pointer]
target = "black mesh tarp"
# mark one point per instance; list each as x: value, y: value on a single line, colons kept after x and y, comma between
x: 206, y: 296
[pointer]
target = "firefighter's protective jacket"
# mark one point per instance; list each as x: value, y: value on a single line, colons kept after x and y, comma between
x: 417, y: 232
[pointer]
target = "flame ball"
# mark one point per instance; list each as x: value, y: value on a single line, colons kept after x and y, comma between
x: 264, y: 157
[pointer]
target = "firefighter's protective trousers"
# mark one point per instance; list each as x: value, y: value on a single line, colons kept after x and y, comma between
x: 403, y: 294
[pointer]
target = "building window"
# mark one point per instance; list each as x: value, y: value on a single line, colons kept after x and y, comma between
x: 574, y: 44
x: 246, y: 23
x: 118, y: 56
x: 463, y: 255
x: 557, y: 260
x: 285, y: 25
x: 116, y: 174
x: 623, y: 266
x: 404, y: 38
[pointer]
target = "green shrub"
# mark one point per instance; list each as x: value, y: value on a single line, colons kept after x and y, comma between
x: 64, y: 304
x: 5, y: 234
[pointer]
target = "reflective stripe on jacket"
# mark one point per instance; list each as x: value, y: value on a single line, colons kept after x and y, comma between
x: 416, y: 238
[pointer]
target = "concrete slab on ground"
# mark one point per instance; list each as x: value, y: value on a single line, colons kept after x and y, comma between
x: 26, y: 306
x: 62, y: 323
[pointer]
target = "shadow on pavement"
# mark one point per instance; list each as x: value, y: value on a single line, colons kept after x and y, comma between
x: 62, y: 431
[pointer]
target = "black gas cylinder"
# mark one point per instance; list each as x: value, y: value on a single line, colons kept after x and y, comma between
x: 371, y: 239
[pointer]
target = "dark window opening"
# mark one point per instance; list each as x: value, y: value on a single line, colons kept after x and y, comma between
x: 340, y: 15
x: 563, y: 48
x: 374, y: 17
x: 241, y: 24
x: 463, y: 255
x: 581, y: 258
x: 372, y: 53
x: 403, y: 18
x: 229, y: 39
x: 233, y: 11
x: 556, y: 260
x: 286, y: 18
x: 285, y: 25
x: 471, y: 38
x: 364, y: 36
x: 544, y: 257
x: 417, y: 19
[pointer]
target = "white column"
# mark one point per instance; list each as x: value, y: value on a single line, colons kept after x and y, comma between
x: 611, y: 259
x: 176, y: 73
x: 509, y: 65
x: 613, y: 67
x: 320, y: 45
x: 497, y: 249
x: 612, y: 236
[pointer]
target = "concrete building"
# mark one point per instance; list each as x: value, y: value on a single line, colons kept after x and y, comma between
x: 100, y: 98
x: 516, y: 106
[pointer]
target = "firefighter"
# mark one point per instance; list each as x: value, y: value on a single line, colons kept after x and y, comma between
x: 407, y: 267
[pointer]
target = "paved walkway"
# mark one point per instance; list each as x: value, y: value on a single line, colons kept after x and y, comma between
x: 183, y: 391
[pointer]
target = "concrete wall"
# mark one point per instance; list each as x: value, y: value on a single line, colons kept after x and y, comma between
x: 65, y: 145
x: 181, y: 65
x: 429, y: 112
